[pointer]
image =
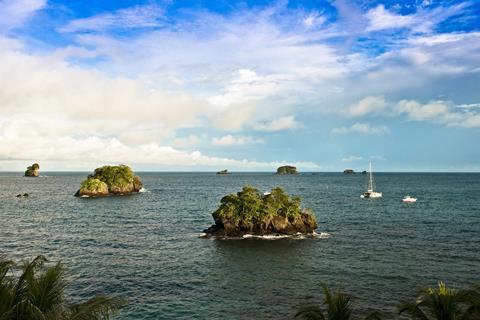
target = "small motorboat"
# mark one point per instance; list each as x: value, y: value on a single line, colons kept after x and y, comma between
x: 409, y: 199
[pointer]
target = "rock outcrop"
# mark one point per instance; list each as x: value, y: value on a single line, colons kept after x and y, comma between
x: 287, y: 170
x: 225, y: 171
x: 349, y: 171
x: 254, y: 213
x: 33, y: 170
x: 108, y: 180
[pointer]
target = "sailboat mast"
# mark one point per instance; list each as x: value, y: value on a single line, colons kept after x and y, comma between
x: 370, y: 181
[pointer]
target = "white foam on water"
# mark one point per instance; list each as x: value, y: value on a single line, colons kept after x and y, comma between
x: 322, y: 235
x: 143, y: 190
x: 84, y: 196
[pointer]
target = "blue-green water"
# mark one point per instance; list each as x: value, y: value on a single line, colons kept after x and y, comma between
x: 145, y: 247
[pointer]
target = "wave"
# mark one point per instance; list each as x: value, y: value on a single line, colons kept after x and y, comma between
x: 143, y: 190
x: 297, y: 236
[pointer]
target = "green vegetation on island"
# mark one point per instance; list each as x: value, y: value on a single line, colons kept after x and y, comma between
x: 33, y: 170
x: 440, y: 303
x: 35, y: 291
x: 110, y: 180
x: 252, y: 212
x: 287, y: 170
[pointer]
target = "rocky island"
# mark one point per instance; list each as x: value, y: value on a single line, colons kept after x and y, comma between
x: 250, y: 212
x: 349, y: 171
x: 108, y: 180
x: 287, y: 170
x: 33, y: 170
x: 225, y: 171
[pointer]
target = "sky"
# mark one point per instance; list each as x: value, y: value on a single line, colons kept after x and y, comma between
x: 194, y: 85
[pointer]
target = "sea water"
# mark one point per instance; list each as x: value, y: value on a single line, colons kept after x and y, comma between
x: 146, y: 247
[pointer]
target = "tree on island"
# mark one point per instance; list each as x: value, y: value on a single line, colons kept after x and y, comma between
x: 287, y: 170
x: 252, y: 212
x: 110, y: 180
x: 38, y: 293
x: 33, y: 170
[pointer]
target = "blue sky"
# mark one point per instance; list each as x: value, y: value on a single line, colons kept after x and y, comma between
x: 243, y: 85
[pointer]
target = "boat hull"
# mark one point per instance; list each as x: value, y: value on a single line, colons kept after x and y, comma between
x: 370, y: 195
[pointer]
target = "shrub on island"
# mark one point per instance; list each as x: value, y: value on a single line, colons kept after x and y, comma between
x: 287, y: 170
x: 252, y: 212
x: 108, y: 180
x: 33, y: 170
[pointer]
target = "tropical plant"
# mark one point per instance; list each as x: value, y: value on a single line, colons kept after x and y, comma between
x: 114, y: 176
x: 253, y: 206
x: 93, y: 184
x: 338, y: 306
x: 443, y: 303
x: 38, y: 293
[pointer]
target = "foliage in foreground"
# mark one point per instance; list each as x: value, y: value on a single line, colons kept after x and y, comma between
x: 38, y: 293
x: 253, y: 206
x: 441, y: 303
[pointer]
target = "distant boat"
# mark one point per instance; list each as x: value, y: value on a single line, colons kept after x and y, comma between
x: 223, y: 172
x: 370, y: 193
x: 409, y: 199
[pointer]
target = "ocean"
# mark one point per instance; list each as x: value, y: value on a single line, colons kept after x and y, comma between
x: 146, y: 247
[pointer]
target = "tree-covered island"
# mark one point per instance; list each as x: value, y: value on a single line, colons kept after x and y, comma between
x: 109, y: 180
x: 253, y: 212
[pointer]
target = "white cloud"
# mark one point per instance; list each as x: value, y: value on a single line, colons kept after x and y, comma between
x: 128, y: 18
x: 15, y: 12
x: 367, y: 106
x: 189, y: 141
x: 444, y: 112
x: 352, y: 159
x: 422, y: 21
x: 283, y: 123
x: 229, y: 141
x: 380, y: 18
x: 363, y: 128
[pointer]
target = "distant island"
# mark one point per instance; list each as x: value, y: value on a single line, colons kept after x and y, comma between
x: 287, y: 170
x: 33, y: 170
x: 223, y: 172
x: 349, y: 171
x: 251, y: 212
x: 109, y: 180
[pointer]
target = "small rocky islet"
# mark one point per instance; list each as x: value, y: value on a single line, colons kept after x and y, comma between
x: 110, y: 180
x: 33, y: 170
x: 287, y: 170
x: 251, y: 212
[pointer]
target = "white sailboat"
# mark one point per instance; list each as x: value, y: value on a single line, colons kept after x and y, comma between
x: 370, y: 193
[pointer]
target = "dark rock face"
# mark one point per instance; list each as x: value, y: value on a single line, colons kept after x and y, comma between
x: 110, y: 180
x: 33, y: 170
x: 276, y: 226
x: 287, y: 170
x: 349, y: 171
x: 250, y: 212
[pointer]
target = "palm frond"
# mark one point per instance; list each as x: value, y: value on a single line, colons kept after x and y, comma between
x: 309, y: 312
x: 413, y: 310
x: 97, y: 308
